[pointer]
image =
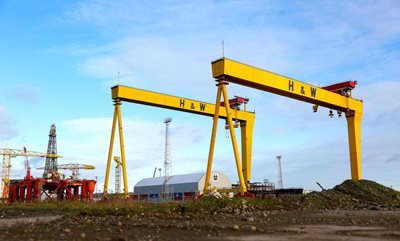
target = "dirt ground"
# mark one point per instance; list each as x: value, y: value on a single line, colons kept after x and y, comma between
x: 265, y: 225
x: 353, y: 210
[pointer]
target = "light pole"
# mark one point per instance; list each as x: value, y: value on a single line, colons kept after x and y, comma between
x: 280, y: 179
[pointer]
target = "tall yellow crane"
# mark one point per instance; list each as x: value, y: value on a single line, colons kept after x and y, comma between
x: 6, y: 166
x: 336, y: 97
x: 144, y: 97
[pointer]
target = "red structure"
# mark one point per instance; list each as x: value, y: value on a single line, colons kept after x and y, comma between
x: 37, y: 189
x: 53, y: 185
x: 343, y: 88
x: 235, y: 103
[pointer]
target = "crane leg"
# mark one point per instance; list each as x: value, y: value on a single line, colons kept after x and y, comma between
x: 354, y: 132
x: 110, y: 151
x: 243, y: 188
x: 122, y: 146
x: 222, y: 90
x: 212, y: 142
x: 246, y: 129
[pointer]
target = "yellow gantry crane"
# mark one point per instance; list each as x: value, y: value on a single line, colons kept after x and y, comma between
x: 336, y: 97
x: 133, y: 95
x: 6, y: 166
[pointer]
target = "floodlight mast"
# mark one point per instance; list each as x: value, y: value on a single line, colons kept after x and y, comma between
x: 167, y: 157
x: 280, y: 179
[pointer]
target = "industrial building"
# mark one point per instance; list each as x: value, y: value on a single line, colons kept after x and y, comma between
x: 180, y: 186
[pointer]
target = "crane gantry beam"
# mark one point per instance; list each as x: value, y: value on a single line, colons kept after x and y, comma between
x: 145, y: 97
x: 74, y: 167
x: 7, y: 154
x: 16, y: 152
x: 139, y: 96
x: 257, y: 78
x: 225, y: 70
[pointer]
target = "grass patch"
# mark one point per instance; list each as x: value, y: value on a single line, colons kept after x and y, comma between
x: 348, y: 195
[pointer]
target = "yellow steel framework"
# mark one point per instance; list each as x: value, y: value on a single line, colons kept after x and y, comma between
x: 73, y: 167
x: 133, y: 95
x: 117, y: 174
x: 7, y: 154
x: 226, y: 70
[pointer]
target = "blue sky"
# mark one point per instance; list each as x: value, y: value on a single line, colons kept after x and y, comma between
x: 59, y: 59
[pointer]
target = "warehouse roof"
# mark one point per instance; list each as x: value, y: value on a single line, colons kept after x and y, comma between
x: 184, y: 178
x: 151, y: 181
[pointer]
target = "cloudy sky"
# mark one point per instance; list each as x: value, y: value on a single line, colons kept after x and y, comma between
x: 59, y: 59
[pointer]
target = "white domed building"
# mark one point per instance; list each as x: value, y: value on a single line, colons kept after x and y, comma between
x: 184, y: 186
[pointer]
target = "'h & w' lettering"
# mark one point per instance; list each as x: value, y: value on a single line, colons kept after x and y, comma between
x: 313, y: 91
x: 291, y: 85
x: 202, y: 106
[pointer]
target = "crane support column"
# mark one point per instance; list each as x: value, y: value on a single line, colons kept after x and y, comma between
x: 122, y: 147
x: 246, y: 129
x: 117, y: 115
x: 212, y: 142
x: 110, y: 151
x: 354, y: 132
x: 222, y: 88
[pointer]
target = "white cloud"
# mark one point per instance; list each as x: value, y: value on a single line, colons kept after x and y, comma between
x: 25, y: 93
x: 175, y: 46
x: 381, y: 101
x: 8, y: 130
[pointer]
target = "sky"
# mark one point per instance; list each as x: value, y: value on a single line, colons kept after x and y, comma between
x: 59, y: 59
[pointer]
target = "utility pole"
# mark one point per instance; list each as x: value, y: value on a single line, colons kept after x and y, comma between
x: 155, y: 170
x: 167, y: 157
x: 280, y: 179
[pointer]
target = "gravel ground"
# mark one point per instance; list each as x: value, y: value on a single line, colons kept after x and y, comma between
x: 265, y: 225
x: 353, y: 210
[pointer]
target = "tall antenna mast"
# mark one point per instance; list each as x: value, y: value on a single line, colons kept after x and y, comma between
x: 223, y: 49
x: 280, y: 179
x: 118, y: 77
x: 167, y: 157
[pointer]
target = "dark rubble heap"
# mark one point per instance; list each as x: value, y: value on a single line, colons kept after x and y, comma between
x: 362, y: 194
